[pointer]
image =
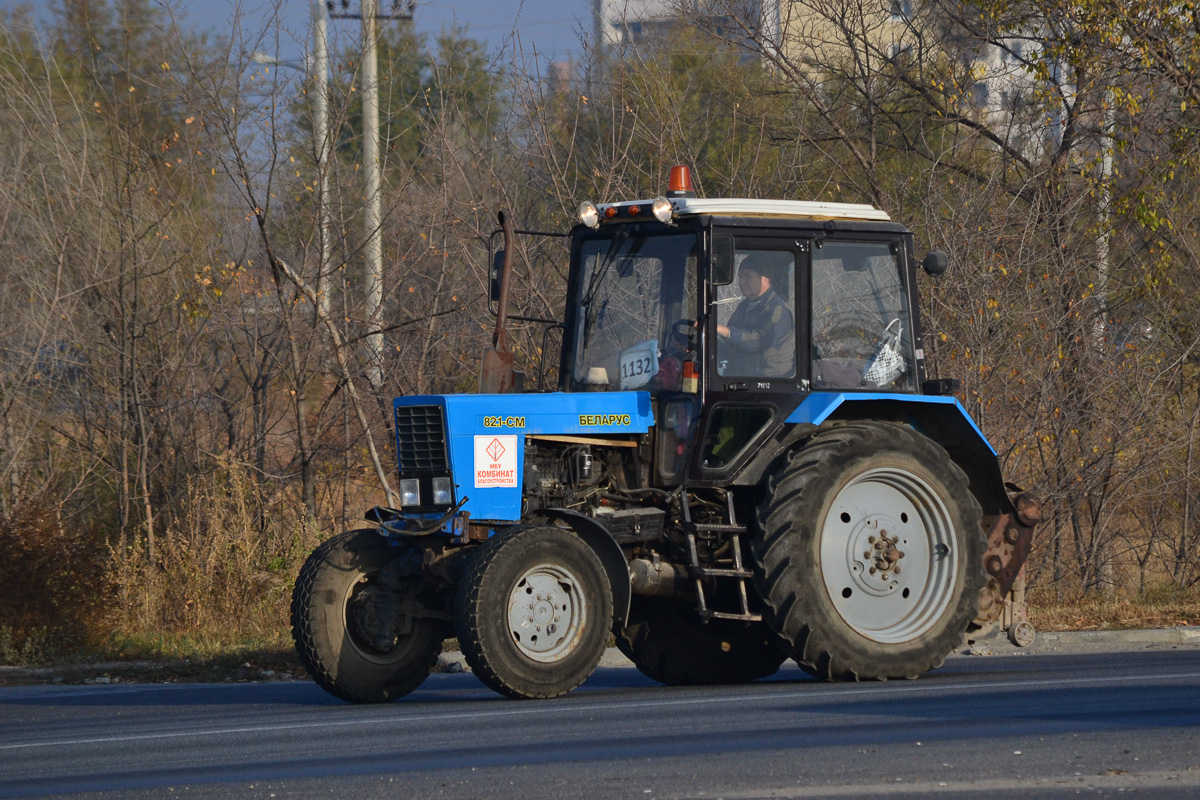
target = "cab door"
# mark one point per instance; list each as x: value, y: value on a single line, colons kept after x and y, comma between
x: 756, y: 330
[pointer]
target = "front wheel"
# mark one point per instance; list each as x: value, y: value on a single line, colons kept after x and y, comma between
x: 870, y: 557
x: 364, y: 631
x: 533, y: 612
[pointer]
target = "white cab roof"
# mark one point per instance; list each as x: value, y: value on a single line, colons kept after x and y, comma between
x: 726, y: 207
x: 777, y: 208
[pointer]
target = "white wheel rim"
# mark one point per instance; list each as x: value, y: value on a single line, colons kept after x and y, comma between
x: 888, y: 555
x: 547, y: 612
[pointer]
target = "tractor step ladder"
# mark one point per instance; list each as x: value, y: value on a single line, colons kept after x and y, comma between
x: 738, y: 571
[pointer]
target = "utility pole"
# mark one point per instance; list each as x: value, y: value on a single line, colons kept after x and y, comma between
x: 1104, y: 220
x: 320, y: 76
x: 1107, y: 145
x: 372, y: 181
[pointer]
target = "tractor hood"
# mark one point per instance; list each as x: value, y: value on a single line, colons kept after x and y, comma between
x: 479, y: 439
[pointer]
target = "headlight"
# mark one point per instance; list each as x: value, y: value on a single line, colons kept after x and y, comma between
x: 588, y: 214
x: 441, y: 492
x: 662, y: 209
x: 410, y: 492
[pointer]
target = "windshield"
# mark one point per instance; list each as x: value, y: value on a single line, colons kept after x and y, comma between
x: 637, y: 303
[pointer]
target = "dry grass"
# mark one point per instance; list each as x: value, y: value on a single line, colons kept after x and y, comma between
x: 222, y: 578
x: 1160, y: 608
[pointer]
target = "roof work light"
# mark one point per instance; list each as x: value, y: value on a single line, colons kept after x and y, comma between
x: 589, y: 215
x: 661, y: 208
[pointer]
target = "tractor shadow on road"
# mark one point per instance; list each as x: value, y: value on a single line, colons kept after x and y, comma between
x: 439, y: 688
x: 1055, y: 687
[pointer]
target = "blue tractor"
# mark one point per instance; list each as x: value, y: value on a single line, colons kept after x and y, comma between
x: 743, y: 462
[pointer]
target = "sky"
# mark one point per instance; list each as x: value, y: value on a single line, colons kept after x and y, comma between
x: 551, y: 27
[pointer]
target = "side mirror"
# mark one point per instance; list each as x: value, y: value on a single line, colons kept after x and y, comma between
x: 494, y: 278
x: 935, y: 262
x: 722, y: 260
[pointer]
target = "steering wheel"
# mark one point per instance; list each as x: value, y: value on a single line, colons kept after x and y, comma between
x: 684, y: 331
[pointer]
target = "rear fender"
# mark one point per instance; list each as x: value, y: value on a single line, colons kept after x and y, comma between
x: 1009, y: 514
x: 942, y: 419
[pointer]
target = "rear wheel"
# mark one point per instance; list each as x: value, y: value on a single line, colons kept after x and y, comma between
x: 871, y: 553
x: 533, y: 612
x: 364, y: 630
x: 667, y: 642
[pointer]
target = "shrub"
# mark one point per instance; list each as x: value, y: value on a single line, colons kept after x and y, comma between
x: 224, y: 568
x: 52, y: 580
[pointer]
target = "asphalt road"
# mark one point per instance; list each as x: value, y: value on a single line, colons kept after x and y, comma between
x: 1046, y: 724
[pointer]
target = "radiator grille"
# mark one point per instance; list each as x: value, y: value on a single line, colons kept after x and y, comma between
x: 421, y: 438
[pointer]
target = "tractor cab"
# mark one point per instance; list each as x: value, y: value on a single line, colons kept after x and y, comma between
x: 729, y: 313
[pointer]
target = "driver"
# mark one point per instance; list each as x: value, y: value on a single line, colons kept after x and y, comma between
x: 760, y: 338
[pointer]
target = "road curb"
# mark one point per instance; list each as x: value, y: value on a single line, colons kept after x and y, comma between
x: 1180, y: 634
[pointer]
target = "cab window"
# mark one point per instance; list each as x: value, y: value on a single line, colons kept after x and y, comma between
x: 861, y: 336
x: 756, y: 319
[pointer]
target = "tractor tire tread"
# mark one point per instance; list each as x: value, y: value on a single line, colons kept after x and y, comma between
x: 306, y: 637
x: 778, y: 575
x: 468, y: 618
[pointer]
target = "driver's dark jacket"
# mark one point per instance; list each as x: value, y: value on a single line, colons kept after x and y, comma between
x: 762, y: 332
